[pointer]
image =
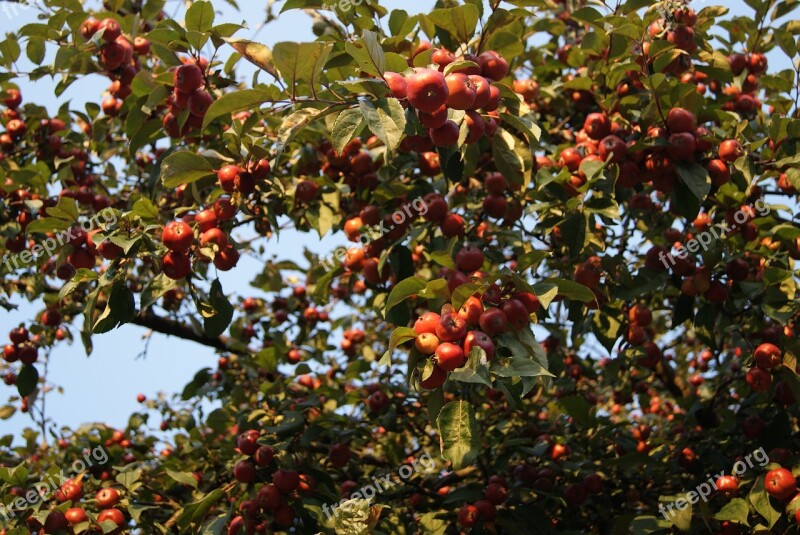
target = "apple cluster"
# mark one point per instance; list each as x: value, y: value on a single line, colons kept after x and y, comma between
x: 766, y: 357
x: 189, y: 101
x: 23, y: 347
x: 271, y: 503
x: 107, y: 500
x: 466, y: 87
x: 485, y: 510
x: 448, y: 338
x: 118, y: 56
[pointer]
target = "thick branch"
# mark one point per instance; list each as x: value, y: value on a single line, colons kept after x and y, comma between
x: 174, y: 328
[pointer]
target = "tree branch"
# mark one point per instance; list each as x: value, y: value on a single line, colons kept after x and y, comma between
x: 171, y: 327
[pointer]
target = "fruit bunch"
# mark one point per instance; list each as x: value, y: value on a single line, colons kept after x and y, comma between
x: 766, y: 358
x: 189, y: 101
x: 271, y: 502
x: 118, y: 56
x: 22, y: 348
x: 447, y: 339
x: 437, y: 91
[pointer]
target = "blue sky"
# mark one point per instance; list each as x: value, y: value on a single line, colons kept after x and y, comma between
x: 103, y: 387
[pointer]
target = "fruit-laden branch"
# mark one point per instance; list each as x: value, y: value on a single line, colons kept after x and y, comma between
x: 164, y: 325
x: 175, y: 328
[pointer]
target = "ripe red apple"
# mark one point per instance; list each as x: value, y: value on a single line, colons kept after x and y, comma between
x: 780, y: 483
x: 730, y: 150
x: 469, y: 258
x: 493, y: 65
x: 483, y: 91
x: 286, y: 481
x: 199, y: 102
x: 111, y: 29
x: 176, y: 264
x: 516, y: 313
x: 467, y: 516
x: 75, y: 515
x: 768, y: 356
x: 436, y: 379
x: 106, y: 498
x: 397, y: 84
x: 614, y: 147
x: 680, y: 120
x: 188, y: 78
x: 445, y: 135
x: 427, y: 323
x: 339, y: 455
x: 55, y: 522
x: 244, y: 471
x: 427, y: 90
x: 479, y: 339
x: 177, y: 236
x: 461, y: 91
x: 682, y: 146
x: 758, y: 379
x: 493, y: 321
x: 450, y: 328
x: 248, y: 442
x: 597, y: 126
x: 111, y: 515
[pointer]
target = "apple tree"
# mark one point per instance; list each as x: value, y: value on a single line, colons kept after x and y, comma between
x: 569, y: 298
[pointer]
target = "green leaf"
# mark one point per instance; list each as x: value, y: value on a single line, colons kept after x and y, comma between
x: 120, y: 309
x: 385, y: 118
x: 66, y: 209
x: 475, y: 370
x: 680, y: 518
x: 518, y: 367
x: 145, y: 210
x: 368, y: 53
x: 47, y: 224
x: 246, y: 99
x: 27, y: 379
x: 460, y: 22
x: 399, y: 335
x: 464, y: 292
x: 578, y: 408
x: 696, y: 178
x: 573, y: 290
x: 760, y: 499
x: 301, y: 62
x: 184, y: 167
x: 195, y: 512
x: 185, y: 478
x: 200, y: 16
x: 458, y: 433
x: 155, y: 289
x: 35, y: 50
x: 256, y: 53
x: 506, y: 158
x: 347, y: 125
x: 216, y: 322
x: 735, y: 510
x: 7, y: 411
x: 403, y: 290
